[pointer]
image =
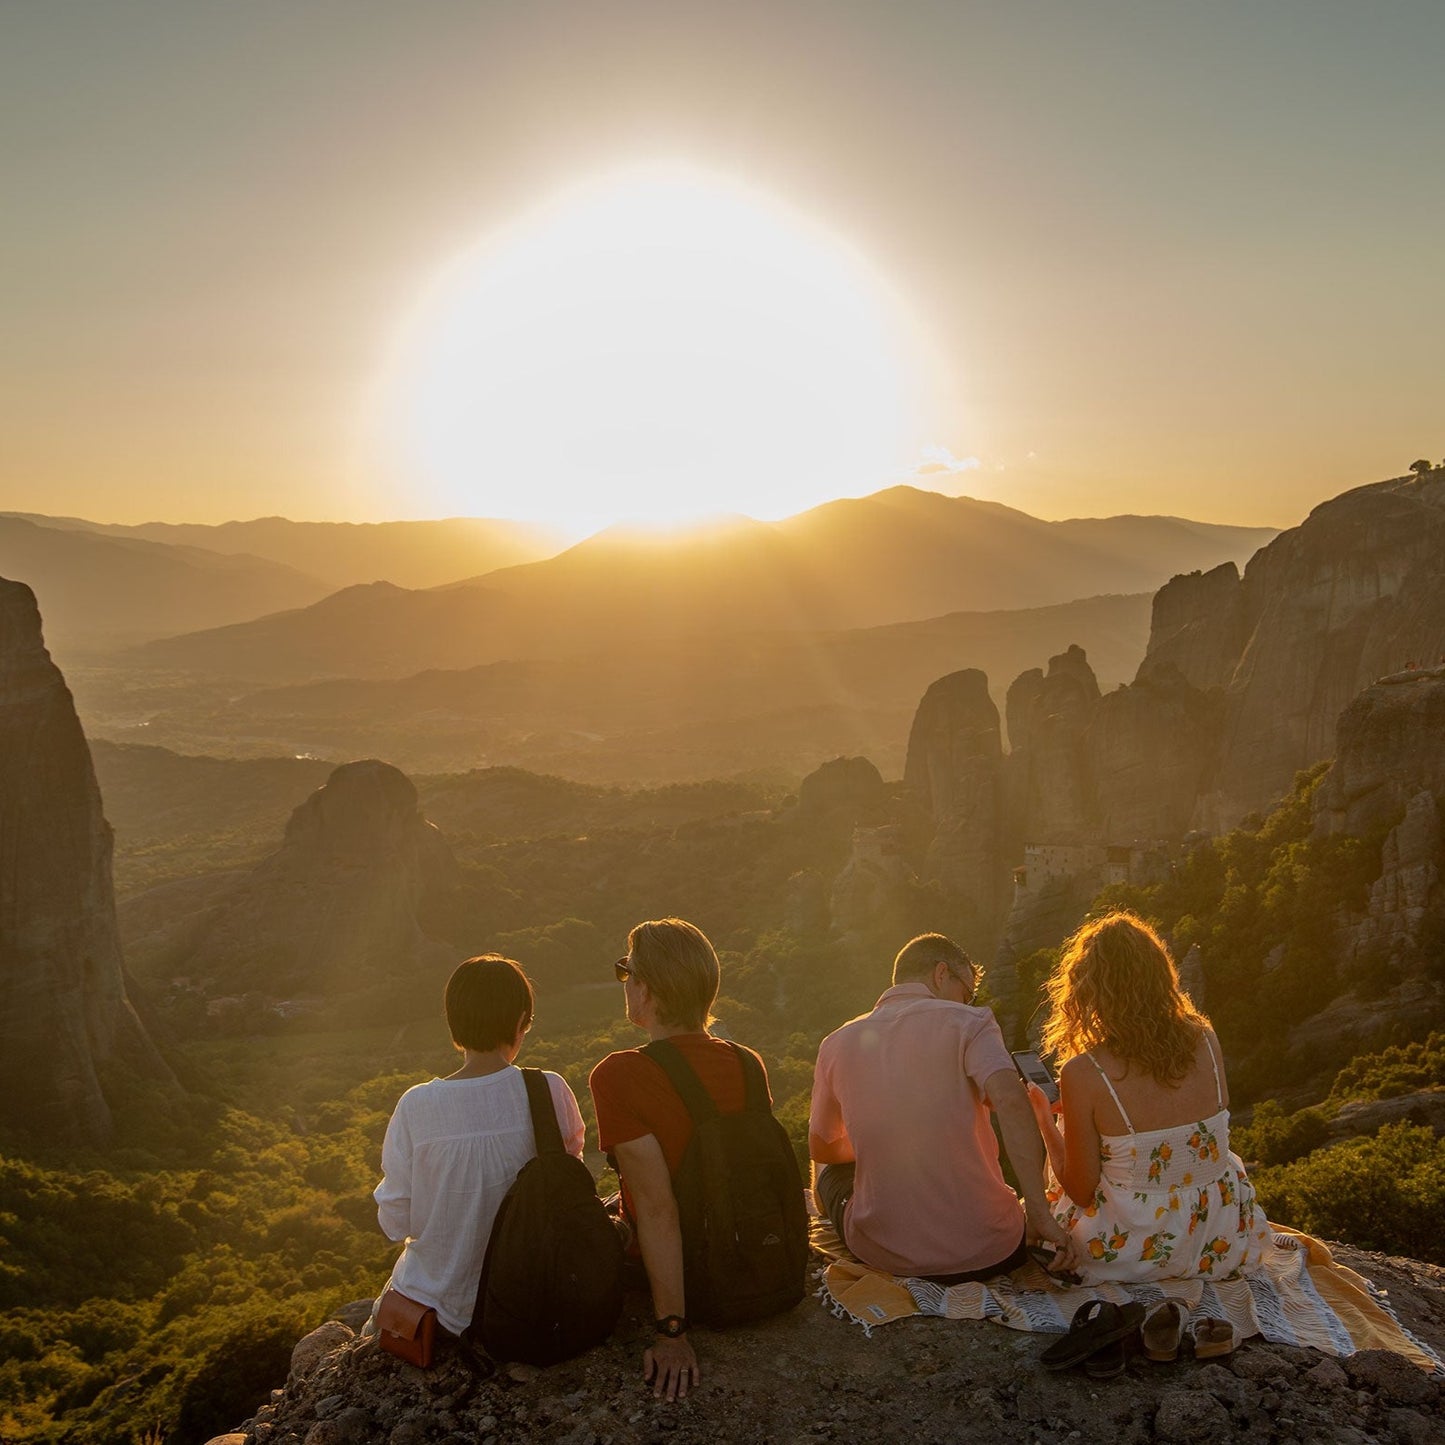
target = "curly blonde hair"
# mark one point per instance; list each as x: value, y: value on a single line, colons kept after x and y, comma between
x: 1117, y: 986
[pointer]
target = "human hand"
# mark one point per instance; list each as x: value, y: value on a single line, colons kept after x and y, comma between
x: 1042, y: 1227
x: 671, y: 1367
x: 1044, y: 1111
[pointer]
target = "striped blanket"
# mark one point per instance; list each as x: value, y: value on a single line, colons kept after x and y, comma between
x: 1300, y: 1297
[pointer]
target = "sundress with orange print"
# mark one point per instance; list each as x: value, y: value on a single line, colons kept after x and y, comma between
x: 1170, y: 1204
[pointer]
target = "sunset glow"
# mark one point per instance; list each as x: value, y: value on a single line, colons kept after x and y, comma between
x: 657, y: 345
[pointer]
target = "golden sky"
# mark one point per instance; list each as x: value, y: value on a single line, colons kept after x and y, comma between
x: 1166, y: 257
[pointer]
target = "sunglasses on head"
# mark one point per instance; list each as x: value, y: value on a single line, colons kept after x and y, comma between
x: 623, y: 969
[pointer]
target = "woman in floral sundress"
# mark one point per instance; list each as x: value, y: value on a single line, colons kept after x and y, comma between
x: 1143, y: 1176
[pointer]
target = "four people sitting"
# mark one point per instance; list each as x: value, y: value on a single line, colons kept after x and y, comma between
x: 901, y: 1127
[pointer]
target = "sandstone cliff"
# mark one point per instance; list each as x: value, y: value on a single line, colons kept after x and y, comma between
x: 335, y: 909
x: 955, y: 769
x: 1357, y: 591
x: 1389, y: 774
x: 65, y: 1020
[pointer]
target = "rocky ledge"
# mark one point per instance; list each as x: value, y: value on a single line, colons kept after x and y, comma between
x: 807, y: 1376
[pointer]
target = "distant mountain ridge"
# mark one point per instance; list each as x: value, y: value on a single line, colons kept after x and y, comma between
x: 342, y: 554
x: 900, y: 555
x: 100, y: 590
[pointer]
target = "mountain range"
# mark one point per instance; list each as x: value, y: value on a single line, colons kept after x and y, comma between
x: 900, y: 555
x: 339, y: 554
x: 100, y: 592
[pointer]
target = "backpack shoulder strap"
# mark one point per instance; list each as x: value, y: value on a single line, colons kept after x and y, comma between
x: 545, y: 1128
x: 683, y: 1078
x: 755, y: 1081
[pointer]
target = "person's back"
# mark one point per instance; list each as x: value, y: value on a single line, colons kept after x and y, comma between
x: 453, y: 1146
x: 670, y: 979
x: 900, y: 1122
x: 1146, y: 1183
x: 452, y: 1149
x: 909, y: 1081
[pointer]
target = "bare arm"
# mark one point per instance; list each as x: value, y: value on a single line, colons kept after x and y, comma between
x: 670, y: 1364
x: 1025, y: 1152
x: 830, y: 1151
x: 1074, y: 1153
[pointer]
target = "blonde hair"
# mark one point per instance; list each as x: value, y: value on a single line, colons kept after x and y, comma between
x: 680, y: 968
x: 1116, y: 986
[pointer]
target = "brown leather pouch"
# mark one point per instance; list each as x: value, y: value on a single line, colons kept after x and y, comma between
x: 407, y: 1329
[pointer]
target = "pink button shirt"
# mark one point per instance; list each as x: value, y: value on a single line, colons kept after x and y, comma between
x: 905, y: 1085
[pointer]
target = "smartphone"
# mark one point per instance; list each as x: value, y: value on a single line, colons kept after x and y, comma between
x: 1044, y: 1256
x: 1036, y: 1071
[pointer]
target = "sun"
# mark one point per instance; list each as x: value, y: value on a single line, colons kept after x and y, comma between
x: 657, y: 345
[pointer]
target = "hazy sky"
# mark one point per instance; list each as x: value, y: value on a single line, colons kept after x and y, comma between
x: 1175, y: 257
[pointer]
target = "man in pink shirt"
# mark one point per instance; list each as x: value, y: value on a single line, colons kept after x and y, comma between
x: 900, y: 1123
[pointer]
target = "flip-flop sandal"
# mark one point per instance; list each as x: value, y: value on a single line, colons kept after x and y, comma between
x: 1108, y: 1363
x: 1163, y: 1328
x: 1213, y: 1337
x: 1096, y: 1323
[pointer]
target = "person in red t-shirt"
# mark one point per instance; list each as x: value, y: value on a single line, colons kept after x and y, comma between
x: 669, y: 979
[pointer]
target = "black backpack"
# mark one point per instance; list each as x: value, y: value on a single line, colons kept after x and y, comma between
x: 739, y: 1201
x: 551, y: 1282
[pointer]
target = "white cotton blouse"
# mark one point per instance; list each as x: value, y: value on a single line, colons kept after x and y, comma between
x: 452, y: 1149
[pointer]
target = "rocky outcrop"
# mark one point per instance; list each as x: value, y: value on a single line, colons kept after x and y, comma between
x: 1197, y: 627
x: 1390, y: 774
x: 335, y: 909
x: 867, y: 893
x: 849, y: 790
x: 1391, y: 745
x: 1051, y: 785
x: 1151, y: 749
x: 1353, y: 594
x: 954, y: 768
x: 805, y: 1375
x: 66, y: 1023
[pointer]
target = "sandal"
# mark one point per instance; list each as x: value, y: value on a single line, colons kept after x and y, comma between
x: 1106, y: 1363
x: 1096, y: 1323
x: 1163, y: 1328
x: 1213, y: 1337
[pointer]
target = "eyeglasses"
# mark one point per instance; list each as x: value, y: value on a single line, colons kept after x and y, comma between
x: 623, y: 969
x: 969, y: 979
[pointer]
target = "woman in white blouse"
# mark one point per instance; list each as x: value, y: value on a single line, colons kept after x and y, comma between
x: 454, y: 1145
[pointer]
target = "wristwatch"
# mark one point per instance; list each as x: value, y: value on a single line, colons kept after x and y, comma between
x: 674, y: 1327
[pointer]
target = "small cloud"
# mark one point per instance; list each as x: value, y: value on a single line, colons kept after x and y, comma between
x: 938, y: 459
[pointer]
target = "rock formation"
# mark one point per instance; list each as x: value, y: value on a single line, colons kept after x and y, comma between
x: 1390, y: 773
x: 1197, y: 627
x: 1150, y: 752
x: 334, y: 909
x: 808, y: 1376
x: 1391, y: 745
x: 868, y: 890
x: 954, y: 767
x: 65, y: 1020
x: 1050, y: 774
x: 1354, y: 593
x: 845, y: 789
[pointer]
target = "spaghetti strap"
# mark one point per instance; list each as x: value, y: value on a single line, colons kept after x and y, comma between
x: 1218, y: 1083
x: 1108, y: 1084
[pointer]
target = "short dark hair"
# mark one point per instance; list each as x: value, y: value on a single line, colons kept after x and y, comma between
x: 488, y: 999
x: 920, y: 956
